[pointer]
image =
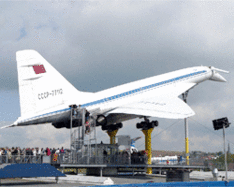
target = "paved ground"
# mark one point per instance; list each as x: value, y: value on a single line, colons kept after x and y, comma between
x: 194, y: 176
x: 117, y: 180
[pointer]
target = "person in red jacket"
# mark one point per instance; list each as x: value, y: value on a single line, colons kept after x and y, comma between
x: 48, y: 152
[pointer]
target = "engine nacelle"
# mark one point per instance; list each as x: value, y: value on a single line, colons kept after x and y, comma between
x: 147, y: 125
x: 112, y: 127
x: 67, y: 124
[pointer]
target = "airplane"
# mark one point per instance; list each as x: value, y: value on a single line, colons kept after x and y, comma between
x: 46, y: 96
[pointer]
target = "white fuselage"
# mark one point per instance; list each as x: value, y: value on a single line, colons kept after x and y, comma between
x: 109, y: 99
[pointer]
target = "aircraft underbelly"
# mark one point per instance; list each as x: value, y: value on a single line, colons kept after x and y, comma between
x: 53, y: 118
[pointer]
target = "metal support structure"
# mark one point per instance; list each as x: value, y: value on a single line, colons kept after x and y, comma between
x: 186, y: 140
x: 77, y: 134
x: 71, y: 127
x: 112, y: 135
x: 222, y: 123
x: 101, y: 172
x: 56, y: 179
x: 83, y: 124
x: 185, y: 95
x: 82, y: 136
x: 225, y: 153
x: 147, y: 134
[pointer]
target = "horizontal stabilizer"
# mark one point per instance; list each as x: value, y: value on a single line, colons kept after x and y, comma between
x: 219, y: 70
x: 12, y: 125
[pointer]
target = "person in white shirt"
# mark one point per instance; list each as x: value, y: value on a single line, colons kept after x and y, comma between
x: 39, y: 151
x: 34, y: 152
x: 57, y: 151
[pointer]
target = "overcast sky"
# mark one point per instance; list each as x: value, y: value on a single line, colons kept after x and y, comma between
x: 101, y: 44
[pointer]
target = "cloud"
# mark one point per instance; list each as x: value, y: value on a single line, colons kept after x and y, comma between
x: 206, y: 143
x: 97, y: 45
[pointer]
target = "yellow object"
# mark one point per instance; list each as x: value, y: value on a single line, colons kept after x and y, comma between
x: 187, y: 150
x: 112, y: 136
x: 147, y: 134
x: 55, y: 157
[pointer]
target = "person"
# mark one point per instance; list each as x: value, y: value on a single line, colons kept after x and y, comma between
x: 17, y: 155
x: 42, y: 151
x: 9, y: 157
x: 53, y: 151
x: 62, y: 154
x: 48, y: 153
x: 38, y: 151
x: 34, y: 152
x: 13, y: 154
x: 125, y: 156
x: 62, y: 150
x: 4, y: 155
x: 180, y: 160
x: 23, y: 154
x: 0, y: 155
x: 104, y: 156
x: 57, y: 151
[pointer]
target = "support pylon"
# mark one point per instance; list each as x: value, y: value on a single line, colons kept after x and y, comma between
x: 147, y: 134
x: 187, y: 150
x: 112, y: 135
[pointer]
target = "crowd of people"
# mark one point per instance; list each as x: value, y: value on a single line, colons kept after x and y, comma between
x: 54, y: 156
x: 15, y: 154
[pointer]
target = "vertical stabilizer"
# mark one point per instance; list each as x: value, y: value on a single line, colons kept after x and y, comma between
x: 41, y: 87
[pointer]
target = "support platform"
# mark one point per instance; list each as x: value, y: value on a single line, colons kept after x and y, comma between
x: 99, y: 169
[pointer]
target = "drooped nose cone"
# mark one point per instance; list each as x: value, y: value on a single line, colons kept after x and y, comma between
x: 217, y: 77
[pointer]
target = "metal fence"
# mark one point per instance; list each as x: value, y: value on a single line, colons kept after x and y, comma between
x: 192, y: 162
x: 74, y: 158
x: 82, y: 158
x: 20, y: 159
x: 117, y: 159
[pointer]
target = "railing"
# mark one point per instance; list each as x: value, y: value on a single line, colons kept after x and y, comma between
x: 5, y: 159
x: 192, y: 162
x: 84, y: 159
x: 108, y: 159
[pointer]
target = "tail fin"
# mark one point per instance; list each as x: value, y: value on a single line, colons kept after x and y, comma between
x: 41, y: 87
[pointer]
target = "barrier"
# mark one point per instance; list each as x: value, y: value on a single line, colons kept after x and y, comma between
x: 122, y: 158
x: 20, y: 159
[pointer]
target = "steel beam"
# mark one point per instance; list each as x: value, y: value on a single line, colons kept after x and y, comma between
x: 147, y: 134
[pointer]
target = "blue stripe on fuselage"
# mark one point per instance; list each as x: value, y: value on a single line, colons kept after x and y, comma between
x: 140, y: 89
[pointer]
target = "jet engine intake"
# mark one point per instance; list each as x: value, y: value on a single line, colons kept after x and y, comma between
x: 101, y: 120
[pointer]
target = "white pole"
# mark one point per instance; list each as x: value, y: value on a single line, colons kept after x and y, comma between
x: 224, y: 144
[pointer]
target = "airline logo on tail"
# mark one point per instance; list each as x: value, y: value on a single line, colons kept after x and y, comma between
x: 38, y: 69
